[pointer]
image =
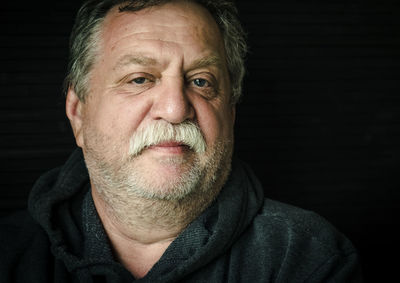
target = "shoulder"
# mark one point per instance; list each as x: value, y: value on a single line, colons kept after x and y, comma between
x: 16, y: 222
x: 292, y: 223
x: 22, y: 243
x: 17, y: 231
x: 13, y: 227
x: 297, y: 243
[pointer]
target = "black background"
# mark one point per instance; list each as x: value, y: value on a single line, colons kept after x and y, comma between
x: 319, y: 121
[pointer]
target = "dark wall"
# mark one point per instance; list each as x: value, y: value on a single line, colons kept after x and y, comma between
x: 321, y: 118
x: 34, y: 132
x: 319, y: 122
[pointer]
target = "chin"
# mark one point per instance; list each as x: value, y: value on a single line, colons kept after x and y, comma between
x: 166, y: 180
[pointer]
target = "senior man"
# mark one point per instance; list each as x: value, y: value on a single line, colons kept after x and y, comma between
x: 153, y: 194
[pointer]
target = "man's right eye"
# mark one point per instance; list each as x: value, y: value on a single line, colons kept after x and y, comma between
x: 139, y: 81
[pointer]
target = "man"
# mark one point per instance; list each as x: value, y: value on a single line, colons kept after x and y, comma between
x: 153, y: 194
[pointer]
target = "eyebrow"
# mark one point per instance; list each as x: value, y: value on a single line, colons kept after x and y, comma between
x: 212, y: 60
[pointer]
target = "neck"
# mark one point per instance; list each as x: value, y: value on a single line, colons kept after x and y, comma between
x: 140, y: 230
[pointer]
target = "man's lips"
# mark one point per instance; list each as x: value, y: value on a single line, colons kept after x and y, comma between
x: 170, y: 144
x: 170, y: 147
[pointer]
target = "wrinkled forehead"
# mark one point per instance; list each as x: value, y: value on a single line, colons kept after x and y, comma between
x: 176, y: 21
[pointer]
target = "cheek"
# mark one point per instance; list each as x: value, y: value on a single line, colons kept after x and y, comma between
x: 104, y: 119
x: 216, y: 123
x: 118, y: 117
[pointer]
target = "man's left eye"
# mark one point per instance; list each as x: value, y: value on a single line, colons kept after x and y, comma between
x: 201, y: 82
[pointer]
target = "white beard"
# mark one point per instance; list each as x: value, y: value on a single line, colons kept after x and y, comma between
x: 129, y: 189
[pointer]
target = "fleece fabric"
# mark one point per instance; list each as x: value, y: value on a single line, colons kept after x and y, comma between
x: 241, y: 237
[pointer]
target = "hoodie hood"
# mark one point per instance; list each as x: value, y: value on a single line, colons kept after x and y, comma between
x: 57, y: 199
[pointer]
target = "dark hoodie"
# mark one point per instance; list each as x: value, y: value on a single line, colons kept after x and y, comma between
x: 241, y: 237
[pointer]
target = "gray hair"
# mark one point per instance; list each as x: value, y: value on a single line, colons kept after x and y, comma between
x: 85, y: 36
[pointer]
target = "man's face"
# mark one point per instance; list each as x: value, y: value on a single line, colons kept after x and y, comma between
x: 162, y: 65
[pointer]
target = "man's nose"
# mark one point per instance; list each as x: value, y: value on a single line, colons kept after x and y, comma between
x: 171, y: 103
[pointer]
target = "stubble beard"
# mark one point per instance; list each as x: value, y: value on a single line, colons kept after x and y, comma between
x: 132, y: 192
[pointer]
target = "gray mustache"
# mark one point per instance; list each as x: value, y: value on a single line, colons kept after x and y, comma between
x: 160, y: 131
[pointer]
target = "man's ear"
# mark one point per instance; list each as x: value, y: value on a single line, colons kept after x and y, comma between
x: 73, y: 108
x: 233, y: 111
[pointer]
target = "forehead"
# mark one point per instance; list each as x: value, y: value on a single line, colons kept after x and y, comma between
x: 183, y: 23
